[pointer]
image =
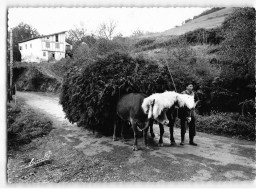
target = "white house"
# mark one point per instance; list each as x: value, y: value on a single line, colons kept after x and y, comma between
x: 44, y: 48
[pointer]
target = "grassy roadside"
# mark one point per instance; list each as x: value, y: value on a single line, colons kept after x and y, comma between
x: 24, y: 125
x: 30, y: 136
x: 227, y: 124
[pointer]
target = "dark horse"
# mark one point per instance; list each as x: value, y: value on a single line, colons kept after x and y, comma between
x: 129, y: 110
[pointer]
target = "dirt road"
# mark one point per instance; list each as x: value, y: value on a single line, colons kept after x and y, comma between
x: 80, y: 156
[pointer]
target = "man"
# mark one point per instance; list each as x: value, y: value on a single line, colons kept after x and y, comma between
x: 192, y: 126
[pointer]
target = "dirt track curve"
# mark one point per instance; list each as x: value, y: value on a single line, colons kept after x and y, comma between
x: 215, y: 158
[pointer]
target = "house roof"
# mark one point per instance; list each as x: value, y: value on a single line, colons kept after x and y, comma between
x: 25, y: 40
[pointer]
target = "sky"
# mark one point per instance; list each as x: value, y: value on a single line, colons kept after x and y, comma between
x: 52, y: 20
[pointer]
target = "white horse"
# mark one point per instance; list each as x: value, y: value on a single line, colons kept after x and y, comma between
x: 156, y: 105
x: 162, y: 108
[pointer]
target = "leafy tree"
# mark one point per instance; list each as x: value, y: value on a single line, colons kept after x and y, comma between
x: 78, y: 36
x: 21, y: 32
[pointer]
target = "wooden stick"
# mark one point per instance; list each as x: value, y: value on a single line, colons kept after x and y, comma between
x: 15, y: 95
x: 34, y: 162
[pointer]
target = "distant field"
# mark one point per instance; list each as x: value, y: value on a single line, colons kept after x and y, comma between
x: 209, y: 21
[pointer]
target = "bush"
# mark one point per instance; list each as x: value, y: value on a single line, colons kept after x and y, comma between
x: 89, y: 97
x: 228, y: 124
x: 185, y: 67
x: 23, y: 125
x: 37, y: 79
x: 200, y: 36
x: 170, y: 41
x: 60, y: 67
x: 143, y: 42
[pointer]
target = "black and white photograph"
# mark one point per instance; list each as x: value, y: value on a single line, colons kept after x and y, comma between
x: 107, y: 95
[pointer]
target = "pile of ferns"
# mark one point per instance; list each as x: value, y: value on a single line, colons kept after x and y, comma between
x: 89, y: 95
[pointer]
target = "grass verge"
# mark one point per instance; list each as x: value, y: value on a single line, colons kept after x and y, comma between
x: 24, y: 125
x: 227, y: 124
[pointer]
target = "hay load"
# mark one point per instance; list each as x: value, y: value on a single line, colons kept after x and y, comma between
x: 89, y: 96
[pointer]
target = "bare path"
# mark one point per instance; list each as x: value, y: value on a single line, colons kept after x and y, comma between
x: 215, y: 159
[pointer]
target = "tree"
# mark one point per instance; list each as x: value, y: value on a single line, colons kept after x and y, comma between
x: 76, y: 35
x: 118, y: 36
x: 21, y: 32
x: 80, y: 40
x: 107, y: 30
x: 137, y: 33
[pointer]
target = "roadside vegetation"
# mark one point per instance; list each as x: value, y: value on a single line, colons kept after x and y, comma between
x: 220, y: 62
x: 24, y: 125
x: 228, y: 124
x: 36, y: 77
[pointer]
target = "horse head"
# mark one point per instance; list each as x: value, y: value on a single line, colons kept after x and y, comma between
x: 187, y: 104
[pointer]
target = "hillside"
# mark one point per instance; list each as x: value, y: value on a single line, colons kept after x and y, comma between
x: 208, y: 21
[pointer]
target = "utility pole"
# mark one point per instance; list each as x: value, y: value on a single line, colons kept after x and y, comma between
x: 11, y: 59
x: 12, y: 90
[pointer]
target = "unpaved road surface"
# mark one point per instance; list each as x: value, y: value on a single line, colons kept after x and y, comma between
x: 80, y: 156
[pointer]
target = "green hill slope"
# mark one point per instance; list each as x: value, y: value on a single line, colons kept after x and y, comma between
x: 208, y: 21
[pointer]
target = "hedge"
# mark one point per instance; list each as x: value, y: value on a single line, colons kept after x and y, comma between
x: 227, y: 124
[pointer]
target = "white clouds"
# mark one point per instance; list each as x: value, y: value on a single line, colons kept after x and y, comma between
x: 50, y: 20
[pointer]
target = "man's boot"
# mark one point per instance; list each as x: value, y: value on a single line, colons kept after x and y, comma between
x: 191, y: 141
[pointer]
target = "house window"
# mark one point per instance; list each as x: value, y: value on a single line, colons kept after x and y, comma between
x: 57, y: 38
x: 47, y: 45
x: 20, y: 47
x: 57, y: 45
x: 47, y: 37
x: 26, y: 46
x: 30, y: 45
x: 44, y: 54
